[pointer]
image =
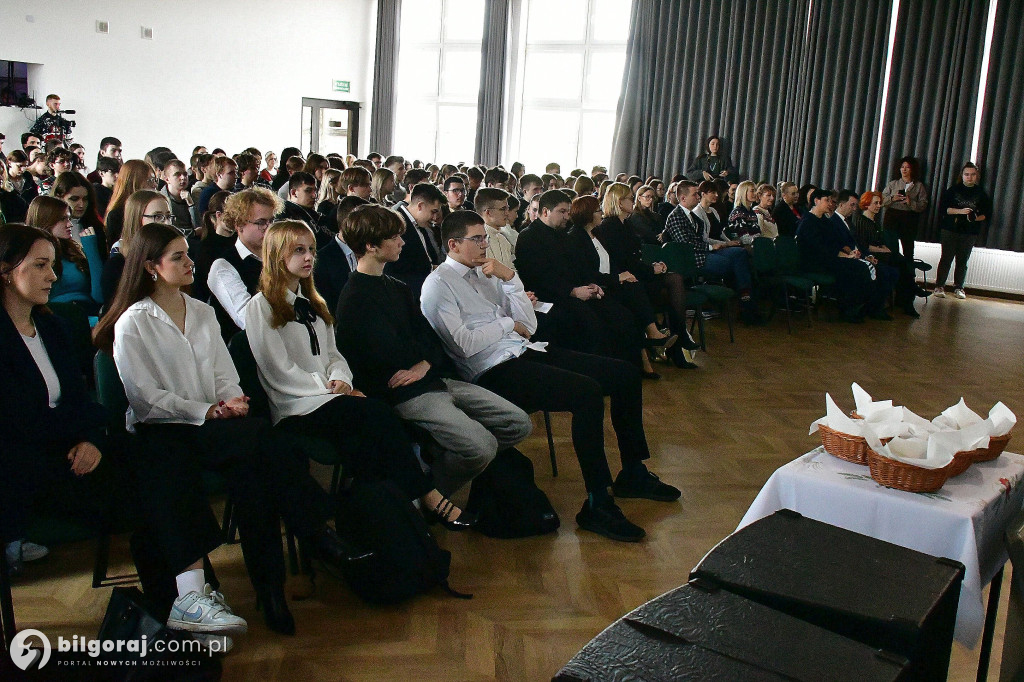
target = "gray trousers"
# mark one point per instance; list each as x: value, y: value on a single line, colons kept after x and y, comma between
x: 471, y: 424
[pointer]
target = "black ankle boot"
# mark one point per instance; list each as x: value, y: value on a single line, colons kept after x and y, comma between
x: 275, y: 609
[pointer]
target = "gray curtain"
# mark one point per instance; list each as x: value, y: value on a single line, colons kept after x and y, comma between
x: 831, y: 132
x: 1001, y: 154
x: 694, y: 69
x: 385, y: 69
x: 493, y: 60
x: 933, y: 92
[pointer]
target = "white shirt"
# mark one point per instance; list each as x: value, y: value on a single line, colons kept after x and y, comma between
x: 38, y: 350
x: 474, y: 315
x: 701, y: 213
x: 170, y: 377
x: 604, y: 262
x: 294, y: 378
x: 226, y: 284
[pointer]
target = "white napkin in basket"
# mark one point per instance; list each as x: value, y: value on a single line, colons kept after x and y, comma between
x: 937, y: 452
x: 1000, y: 420
x: 837, y: 420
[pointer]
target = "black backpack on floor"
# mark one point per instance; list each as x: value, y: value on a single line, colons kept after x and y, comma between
x: 405, y: 559
x: 507, y: 501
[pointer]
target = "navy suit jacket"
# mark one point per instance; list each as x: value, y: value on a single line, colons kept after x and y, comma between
x: 413, y: 265
x: 843, y: 235
x: 26, y: 419
x: 331, y: 272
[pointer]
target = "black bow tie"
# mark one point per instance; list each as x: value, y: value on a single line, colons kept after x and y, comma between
x: 305, y: 314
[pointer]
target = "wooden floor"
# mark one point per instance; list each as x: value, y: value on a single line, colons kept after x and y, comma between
x: 717, y: 433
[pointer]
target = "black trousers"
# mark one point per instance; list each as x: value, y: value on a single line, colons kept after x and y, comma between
x: 566, y: 381
x: 599, y: 326
x: 904, y: 224
x: 267, y: 478
x: 41, y: 483
x: 954, y: 246
x: 369, y: 437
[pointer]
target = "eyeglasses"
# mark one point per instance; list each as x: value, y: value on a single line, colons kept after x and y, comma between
x: 160, y: 217
x: 480, y: 239
x: 261, y: 224
x: 457, y: 190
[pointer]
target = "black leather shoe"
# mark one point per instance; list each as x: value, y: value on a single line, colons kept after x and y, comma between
x: 653, y: 376
x: 687, y: 342
x: 648, y: 487
x: 910, y: 311
x: 608, y: 520
x: 880, y: 315
x: 680, y: 361
x: 443, y: 510
x: 275, y: 609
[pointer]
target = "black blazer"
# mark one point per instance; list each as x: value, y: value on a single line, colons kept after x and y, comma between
x: 624, y: 247
x: 331, y: 272
x: 27, y: 421
x: 413, y: 265
x: 785, y: 219
x: 588, y: 262
x: 546, y: 261
x: 648, y: 227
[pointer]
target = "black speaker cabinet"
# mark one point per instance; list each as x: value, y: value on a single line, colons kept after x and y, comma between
x: 883, y: 595
x: 701, y: 632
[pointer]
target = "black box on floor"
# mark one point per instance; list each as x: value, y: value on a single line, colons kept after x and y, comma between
x: 700, y: 632
x: 875, y: 592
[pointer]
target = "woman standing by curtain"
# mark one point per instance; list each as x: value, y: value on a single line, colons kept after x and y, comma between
x: 904, y: 199
x: 964, y: 208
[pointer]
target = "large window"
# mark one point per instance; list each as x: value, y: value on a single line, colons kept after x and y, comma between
x: 571, y: 63
x: 438, y: 79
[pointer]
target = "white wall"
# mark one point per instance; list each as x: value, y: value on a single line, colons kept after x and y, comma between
x: 223, y: 73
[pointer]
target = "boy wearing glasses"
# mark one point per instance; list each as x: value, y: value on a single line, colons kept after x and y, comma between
x: 235, y: 277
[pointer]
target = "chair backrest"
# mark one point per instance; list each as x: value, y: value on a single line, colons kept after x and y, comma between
x: 81, y: 333
x: 787, y: 255
x: 765, y: 260
x: 110, y: 392
x: 248, y: 375
x: 680, y: 258
x: 651, y: 253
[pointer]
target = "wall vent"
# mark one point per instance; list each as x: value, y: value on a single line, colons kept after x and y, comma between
x: 102, y: 26
x: 147, y: 33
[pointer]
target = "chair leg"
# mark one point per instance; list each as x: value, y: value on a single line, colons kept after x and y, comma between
x: 99, y: 569
x: 551, y: 444
x: 293, y: 553
x: 728, y: 318
x: 335, y: 480
x: 229, y: 526
x: 789, y: 318
x: 7, y: 623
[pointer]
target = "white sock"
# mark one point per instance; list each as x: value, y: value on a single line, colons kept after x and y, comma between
x: 190, y: 581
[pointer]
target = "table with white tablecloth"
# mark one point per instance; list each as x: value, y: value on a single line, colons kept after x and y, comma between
x: 964, y: 520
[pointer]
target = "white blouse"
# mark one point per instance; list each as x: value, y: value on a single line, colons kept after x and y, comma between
x: 170, y: 377
x: 42, y: 358
x: 604, y: 261
x: 295, y: 379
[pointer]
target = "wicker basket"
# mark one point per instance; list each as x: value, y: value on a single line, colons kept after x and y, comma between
x: 996, y: 445
x: 962, y: 461
x: 844, y: 446
x: 894, y: 474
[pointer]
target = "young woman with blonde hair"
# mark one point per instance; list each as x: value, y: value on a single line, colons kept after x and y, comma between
x: 134, y: 175
x: 309, y: 382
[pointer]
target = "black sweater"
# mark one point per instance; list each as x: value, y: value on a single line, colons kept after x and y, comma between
x: 380, y: 330
x: 961, y: 196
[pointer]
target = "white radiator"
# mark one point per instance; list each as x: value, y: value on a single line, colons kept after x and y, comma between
x: 988, y: 269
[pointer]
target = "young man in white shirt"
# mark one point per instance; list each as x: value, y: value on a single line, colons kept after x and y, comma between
x: 481, y: 311
x: 397, y: 357
x: 233, y: 279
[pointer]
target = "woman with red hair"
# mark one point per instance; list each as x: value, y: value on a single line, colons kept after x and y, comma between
x: 871, y: 240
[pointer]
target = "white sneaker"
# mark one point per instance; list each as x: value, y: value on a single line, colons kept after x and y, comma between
x: 30, y: 551
x: 959, y: 293
x: 206, y: 612
x: 939, y: 292
x: 214, y: 644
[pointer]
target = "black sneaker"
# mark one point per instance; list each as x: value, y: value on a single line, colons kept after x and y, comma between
x: 649, y: 487
x: 608, y: 520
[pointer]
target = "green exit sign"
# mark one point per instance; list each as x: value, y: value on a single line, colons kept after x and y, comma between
x: 342, y: 86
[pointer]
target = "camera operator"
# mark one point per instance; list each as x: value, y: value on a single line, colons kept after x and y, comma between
x: 52, y: 125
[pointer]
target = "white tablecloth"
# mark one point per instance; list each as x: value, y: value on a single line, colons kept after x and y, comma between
x: 965, y: 520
